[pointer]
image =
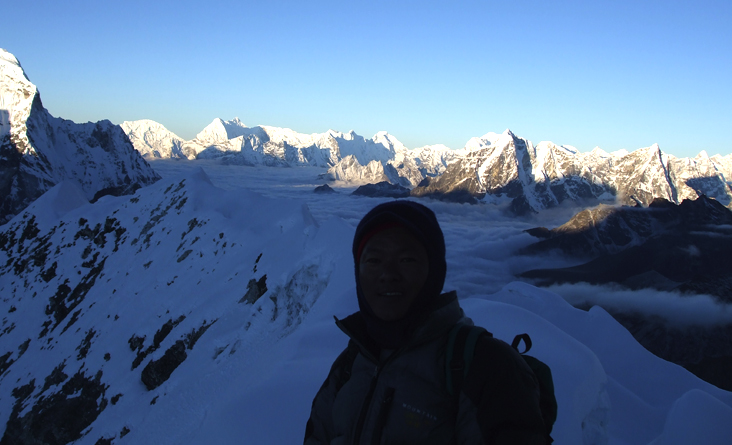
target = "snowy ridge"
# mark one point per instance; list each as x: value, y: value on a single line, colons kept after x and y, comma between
x: 232, y: 139
x: 546, y: 175
x: 198, y: 263
x: 348, y: 156
x: 153, y: 140
x: 724, y: 165
x: 187, y: 314
x: 350, y: 170
x: 40, y: 150
x: 502, y: 165
x: 219, y: 131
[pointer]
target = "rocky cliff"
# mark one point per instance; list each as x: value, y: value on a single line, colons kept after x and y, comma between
x: 38, y: 150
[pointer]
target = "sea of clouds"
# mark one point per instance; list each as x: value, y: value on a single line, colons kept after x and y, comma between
x: 481, y: 241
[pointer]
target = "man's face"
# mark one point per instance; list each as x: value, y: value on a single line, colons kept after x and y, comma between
x: 393, y: 268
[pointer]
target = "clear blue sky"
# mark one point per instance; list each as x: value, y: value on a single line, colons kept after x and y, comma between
x: 620, y: 74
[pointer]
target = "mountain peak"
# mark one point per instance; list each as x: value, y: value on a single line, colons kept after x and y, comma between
x: 221, y: 130
x: 17, y: 94
x: 9, y: 65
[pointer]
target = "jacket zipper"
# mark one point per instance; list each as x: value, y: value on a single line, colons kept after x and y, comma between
x: 389, y: 394
x: 365, y: 407
x: 383, y: 415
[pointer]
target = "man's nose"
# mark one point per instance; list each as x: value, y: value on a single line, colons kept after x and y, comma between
x: 390, y: 272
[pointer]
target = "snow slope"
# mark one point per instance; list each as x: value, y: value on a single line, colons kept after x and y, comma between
x: 238, y: 290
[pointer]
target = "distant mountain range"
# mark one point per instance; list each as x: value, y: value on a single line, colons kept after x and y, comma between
x: 38, y: 150
x: 546, y: 175
x: 348, y: 156
x: 491, y: 166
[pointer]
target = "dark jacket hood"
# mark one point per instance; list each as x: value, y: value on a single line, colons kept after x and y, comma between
x: 422, y: 223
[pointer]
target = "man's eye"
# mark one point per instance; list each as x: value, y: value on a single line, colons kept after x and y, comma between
x: 372, y: 260
x: 407, y: 260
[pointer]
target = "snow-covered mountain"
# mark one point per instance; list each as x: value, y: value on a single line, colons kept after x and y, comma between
x: 432, y: 160
x: 348, y: 156
x: 502, y: 165
x: 188, y: 314
x: 39, y: 150
x: 153, y: 140
x: 723, y: 163
x: 546, y: 175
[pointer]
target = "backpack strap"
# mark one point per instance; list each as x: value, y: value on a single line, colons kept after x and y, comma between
x: 460, y: 350
x: 517, y: 342
x: 547, y: 400
x: 459, y: 355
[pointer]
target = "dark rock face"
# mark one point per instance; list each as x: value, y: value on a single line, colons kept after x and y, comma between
x: 382, y: 189
x: 255, y: 289
x: 19, y: 184
x: 666, y: 262
x: 606, y: 229
x: 136, y: 343
x: 57, y: 418
x: 704, y: 351
x: 461, y: 196
x: 107, y: 163
x: 667, y: 247
x: 158, y: 371
x: 324, y: 189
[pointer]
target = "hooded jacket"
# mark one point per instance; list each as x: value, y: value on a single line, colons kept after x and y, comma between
x: 374, y: 396
x: 389, y: 386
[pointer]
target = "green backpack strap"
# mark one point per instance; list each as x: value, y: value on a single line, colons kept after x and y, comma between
x: 547, y: 399
x: 460, y: 350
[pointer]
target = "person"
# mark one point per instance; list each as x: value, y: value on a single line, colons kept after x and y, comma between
x: 389, y: 385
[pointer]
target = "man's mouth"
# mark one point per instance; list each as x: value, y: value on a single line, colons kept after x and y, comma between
x: 391, y: 294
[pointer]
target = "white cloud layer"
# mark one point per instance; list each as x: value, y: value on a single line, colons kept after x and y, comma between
x: 678, y: 309
x: 481, y: 241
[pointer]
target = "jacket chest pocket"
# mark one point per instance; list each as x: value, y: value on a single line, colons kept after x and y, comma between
x: 418, y: 417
